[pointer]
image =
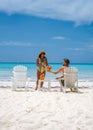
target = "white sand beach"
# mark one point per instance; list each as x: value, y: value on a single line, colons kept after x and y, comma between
x: 37, y: 110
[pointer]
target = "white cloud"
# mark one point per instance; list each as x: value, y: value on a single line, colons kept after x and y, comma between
x: 23, y: 44
x: 90, y: 47
x: 76, y: 49
x: 11, y: 43
x: 58, y: 38
x: 79, y: 11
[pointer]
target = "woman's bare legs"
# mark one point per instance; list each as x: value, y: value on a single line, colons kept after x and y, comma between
x: 41, y: 85
x: 37, y: 82
x: 36, y: 85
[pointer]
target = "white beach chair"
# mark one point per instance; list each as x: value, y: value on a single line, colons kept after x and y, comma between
x: 70, y: 79
x: 19, y: 78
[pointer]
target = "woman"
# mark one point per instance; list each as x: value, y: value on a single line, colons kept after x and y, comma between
x: 41, y: 63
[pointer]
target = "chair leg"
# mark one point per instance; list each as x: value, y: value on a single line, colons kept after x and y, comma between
x: 49, y: 86
x: 61, y: 87
x: 13, y: 87
x: 64, y: 86
x: 27, y: 85
x: 77, y: 87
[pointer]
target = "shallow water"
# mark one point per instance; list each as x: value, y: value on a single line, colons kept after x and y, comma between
x: 85, y: 70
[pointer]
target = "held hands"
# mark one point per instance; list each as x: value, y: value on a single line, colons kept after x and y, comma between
x: 48, y: 68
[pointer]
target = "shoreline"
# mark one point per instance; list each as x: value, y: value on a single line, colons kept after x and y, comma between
x: 81, y: 83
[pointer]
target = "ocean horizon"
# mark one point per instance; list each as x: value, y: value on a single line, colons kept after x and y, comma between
x: 85, y: 70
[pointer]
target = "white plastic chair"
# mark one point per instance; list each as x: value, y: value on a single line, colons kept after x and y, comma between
x: 19, y: 77
x: 70, y: 79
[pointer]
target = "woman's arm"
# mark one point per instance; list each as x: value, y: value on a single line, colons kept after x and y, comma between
x: 37, y: 63
x: 46, y: 62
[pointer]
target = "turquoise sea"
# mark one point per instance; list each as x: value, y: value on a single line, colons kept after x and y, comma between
x: 85, y: 70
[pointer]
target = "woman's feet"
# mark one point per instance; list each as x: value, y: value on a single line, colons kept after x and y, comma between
x: 36, y: 88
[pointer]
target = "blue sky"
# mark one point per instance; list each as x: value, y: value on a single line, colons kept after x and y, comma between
x: 63, y: 31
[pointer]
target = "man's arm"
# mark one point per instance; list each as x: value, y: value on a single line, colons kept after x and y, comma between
x: 58, y: 71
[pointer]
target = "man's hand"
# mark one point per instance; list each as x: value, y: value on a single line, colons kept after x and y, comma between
x: 57, y: 78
